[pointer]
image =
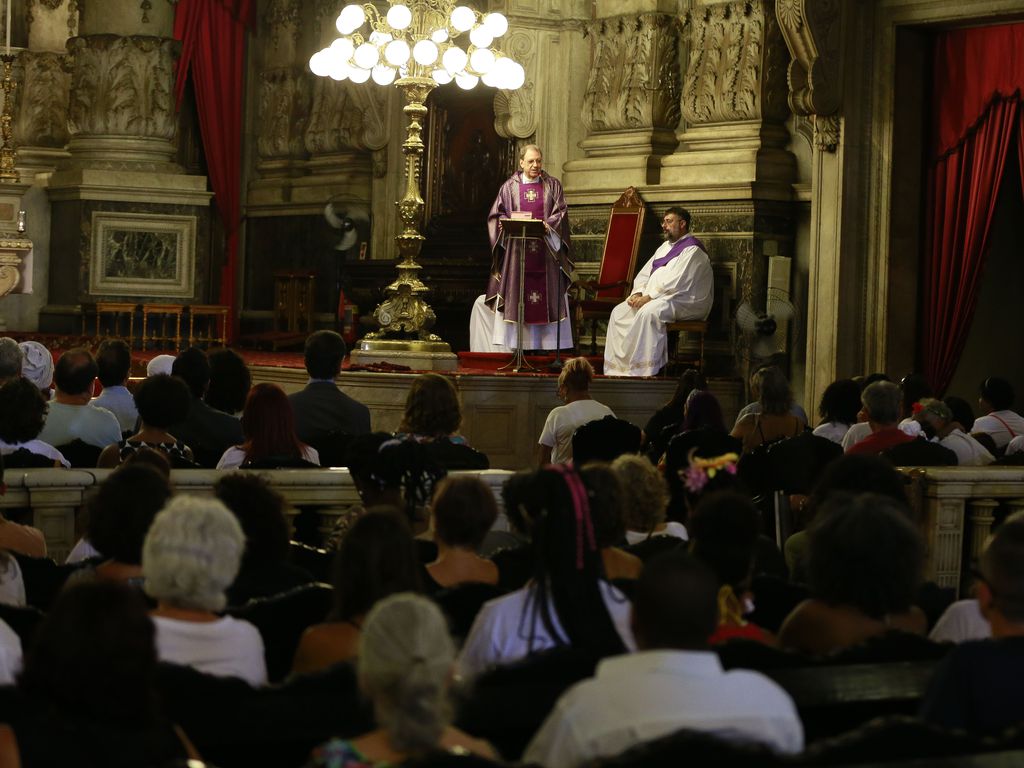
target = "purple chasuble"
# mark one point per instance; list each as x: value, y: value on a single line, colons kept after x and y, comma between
x: 535, y: 310
x: 675, y: 250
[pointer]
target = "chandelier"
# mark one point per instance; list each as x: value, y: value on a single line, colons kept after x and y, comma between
x: 420, y: 39
x: 416, y: 46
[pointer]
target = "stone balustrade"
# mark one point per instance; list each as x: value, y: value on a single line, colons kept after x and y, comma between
x: 956, y: 508
x: 956, y: 505
x: 55, y: 495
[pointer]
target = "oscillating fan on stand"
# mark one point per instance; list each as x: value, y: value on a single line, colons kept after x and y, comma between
x: 763, y: 334
x: 353, y: 221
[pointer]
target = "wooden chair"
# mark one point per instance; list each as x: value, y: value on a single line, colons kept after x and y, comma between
x: 215, y: 318
x: 595, y: 299
x: 162, y: 314
x: 689, y: 356
x: 109, y: 315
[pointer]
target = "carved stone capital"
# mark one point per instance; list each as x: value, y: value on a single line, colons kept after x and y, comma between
x: 345, y: 116
x: 634, y: 80
x: 41, y: 113
x: 736, y: 69
x: 811, y: 29
x: 284, y: 98
x: 283, y: 20
x: 122, y: 86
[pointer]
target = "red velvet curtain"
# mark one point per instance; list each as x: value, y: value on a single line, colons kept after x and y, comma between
x: 979, y: 75
x: 212, y: 33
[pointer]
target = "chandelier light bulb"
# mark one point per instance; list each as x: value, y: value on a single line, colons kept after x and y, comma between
x: 358, y: 74
x: 350, y: 19
x: 383, y: 75
x: 501, y: 72
x: 481, y: 60
x: 480, y: 37
x: 496, y: 24
x: 441, y: 76
x: 366, y: 56
x: 320, y: 63
x: 454, y: 59
x: 399, y: 17
x: 489, y: 79
x: 342, y: 48
x: 397, y: 53
x: 439, y: 36
x: 466, y: 81
x: 380, y: 38
x: 462, y: 18
x: 517, y: 77
x: 425, y: 52
x: 339, y: 70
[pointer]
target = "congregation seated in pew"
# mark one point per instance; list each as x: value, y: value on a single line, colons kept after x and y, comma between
x: 607, y: 501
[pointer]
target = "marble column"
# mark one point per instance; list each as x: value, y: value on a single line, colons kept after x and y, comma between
x: 814, y: 32
x: 120, y: 183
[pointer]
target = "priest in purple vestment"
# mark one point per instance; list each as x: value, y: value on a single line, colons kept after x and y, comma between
x: 547, y: 267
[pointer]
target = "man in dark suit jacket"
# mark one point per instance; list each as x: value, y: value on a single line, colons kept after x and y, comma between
x: 207, y: 431
x: 321, y: 408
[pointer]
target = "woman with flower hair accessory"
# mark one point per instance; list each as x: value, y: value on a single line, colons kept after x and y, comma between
x: 691, y: 476
x: 568, y: 602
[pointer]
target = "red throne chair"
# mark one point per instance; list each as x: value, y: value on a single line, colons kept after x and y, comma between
x: 594, y: 299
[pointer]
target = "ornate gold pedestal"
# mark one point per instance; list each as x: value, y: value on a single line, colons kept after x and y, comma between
x: 404, y: 311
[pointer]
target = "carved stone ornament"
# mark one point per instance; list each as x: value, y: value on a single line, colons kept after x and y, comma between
x: 811, y: 29
x: 634, y: 80
x: 346, y: 116
x: 122, y: 86
x: 10, y: 272
x: 826, y: 132
x: 514, y: 111
x: 283, y: 110
x: 51, y: 5
x: 325, y: 14
x: 42, y: 110
x: 736, y: 69
x: 283, y: 17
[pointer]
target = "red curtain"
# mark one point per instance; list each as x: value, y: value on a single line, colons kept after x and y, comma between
x: 979, y: 75
x: 212, y: 33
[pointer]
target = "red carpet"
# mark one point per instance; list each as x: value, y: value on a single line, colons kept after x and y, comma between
x: 470, y: 363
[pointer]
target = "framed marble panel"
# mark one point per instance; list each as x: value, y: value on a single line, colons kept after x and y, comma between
x: 142, y: 255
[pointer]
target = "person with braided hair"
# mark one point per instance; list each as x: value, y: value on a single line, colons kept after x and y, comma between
x: 568, y: 602
x: 404, y: 667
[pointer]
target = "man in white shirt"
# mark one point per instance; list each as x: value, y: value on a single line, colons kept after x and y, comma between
x: 675, y: 284
x: 936, y: 419
x: 71, y: 415
x: 996, y: 399
x: 672, y: 682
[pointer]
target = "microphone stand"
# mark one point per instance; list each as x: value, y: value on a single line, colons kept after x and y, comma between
x: 556, y: 365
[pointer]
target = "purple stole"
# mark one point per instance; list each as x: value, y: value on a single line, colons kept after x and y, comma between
x: 531, y: 198
x: 677, y: 247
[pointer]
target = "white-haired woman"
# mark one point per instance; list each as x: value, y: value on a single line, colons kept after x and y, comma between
x: 405, y: 664
x: 190, y: 557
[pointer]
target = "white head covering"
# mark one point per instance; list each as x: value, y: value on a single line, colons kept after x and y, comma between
x: 36, y: 364
x: 160, y: 364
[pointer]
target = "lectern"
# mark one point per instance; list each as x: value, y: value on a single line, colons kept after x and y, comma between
x: 521, y: 230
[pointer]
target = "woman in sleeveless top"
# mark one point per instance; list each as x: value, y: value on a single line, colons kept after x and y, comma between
x: 161, y: 400
x: 775, y: 421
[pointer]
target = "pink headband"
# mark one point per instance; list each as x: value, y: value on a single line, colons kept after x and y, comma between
x: 581, y: 507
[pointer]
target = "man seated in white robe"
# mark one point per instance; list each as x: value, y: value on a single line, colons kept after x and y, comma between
x: 676, y: 284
